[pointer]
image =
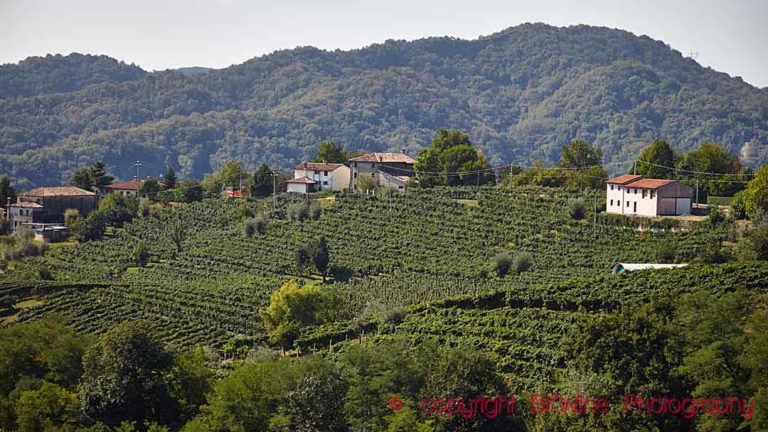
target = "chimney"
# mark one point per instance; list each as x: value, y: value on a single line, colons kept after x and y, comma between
x: 402, y: 150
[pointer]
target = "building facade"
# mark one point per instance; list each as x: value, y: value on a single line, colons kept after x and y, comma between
x: 635, y: 195
x: 46, y: 205
x: 332, y: 177
x: 386, y: 169
x: 130, y: 188
x: 301, y: 185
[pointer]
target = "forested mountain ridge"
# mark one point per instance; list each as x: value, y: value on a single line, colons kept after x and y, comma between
x: 521, y: 94
x: 60, y: 74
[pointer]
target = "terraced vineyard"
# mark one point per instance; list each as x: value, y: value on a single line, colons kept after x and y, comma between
x: 206, y: 281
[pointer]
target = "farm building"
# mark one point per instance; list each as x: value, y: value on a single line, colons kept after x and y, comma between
x: 327, y: 176
x: 387, y: 169
x: 48, y: 204
x: 129, y: 188
x: 634, y: 195
x: 300, y: 185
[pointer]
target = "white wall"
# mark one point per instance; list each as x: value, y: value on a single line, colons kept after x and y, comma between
x: 297, y: 187
x: 340, y: 178
x: 638, y: 204
x: 336, y: 180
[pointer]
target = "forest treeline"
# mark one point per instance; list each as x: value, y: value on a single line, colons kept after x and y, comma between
x: 521, y: 94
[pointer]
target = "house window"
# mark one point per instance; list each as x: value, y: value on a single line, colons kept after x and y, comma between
x: 355, y: 175
x: 611, y: 187
x: 325, y: 183
x: 653, y: 194
x: 645, y: 192
x: 354, y: 164
x: 325, y: 173
x: 627, y: 203
x: 611, y: 202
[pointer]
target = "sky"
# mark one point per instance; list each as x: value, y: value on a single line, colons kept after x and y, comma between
x: 729, y: 36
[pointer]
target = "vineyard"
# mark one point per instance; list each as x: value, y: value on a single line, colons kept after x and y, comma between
x: 206, y: 281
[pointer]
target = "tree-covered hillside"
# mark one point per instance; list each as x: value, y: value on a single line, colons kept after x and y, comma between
x: 62, y: 74
x: 521, y: 94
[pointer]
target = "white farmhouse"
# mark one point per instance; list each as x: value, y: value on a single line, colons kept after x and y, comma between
x: 326, y: 176
x: 634, y: 195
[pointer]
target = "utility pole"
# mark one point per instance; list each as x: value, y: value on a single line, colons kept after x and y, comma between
x: 594, y: 220
x: 697, y: 191
x: 274, y: 189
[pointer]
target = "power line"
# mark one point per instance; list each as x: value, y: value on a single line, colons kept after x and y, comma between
x: 516, y: 165
x: 694, y: 172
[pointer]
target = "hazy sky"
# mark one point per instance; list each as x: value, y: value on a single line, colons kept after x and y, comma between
x: 728, y: 35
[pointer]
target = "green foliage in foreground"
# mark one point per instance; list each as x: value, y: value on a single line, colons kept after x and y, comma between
x: 711, y: 343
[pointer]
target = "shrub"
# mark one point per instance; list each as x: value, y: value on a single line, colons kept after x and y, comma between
x: 665, y: 253
x: 249, y: 227
x: 260, y: 224
x: 141, y: 255
x: 340, y: 273
x: 315, y: 210
x: 754, y: 245
x: 298, y: 211
x: 70, y: 216
x: 44, y: 273
x: 577, y: 209
x: 523, y: 262
x: 738, y: 209
x: 23, y: 245
x: 502, y: 263
x: 714, y: 217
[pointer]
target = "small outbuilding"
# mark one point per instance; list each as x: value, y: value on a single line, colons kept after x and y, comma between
x: 301, y: 185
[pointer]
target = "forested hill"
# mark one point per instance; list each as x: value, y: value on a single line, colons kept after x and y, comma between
x: 521, y: 94
x: 61, y: 74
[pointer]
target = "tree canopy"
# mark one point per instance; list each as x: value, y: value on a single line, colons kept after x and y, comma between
x: 451, y: 160
x: 656, y: 161
x: 331, y: 153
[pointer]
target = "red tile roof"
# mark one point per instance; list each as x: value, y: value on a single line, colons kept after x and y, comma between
x: 624, y: 179
x: 126, y: 185
x: 636, y: 181
x: 384, y: 158
x: 133, y: 185
x: 318, y: 166
x: 26, y: 204
x: 649, y: 183
x: 56, y: 191
x: 301, y: 180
